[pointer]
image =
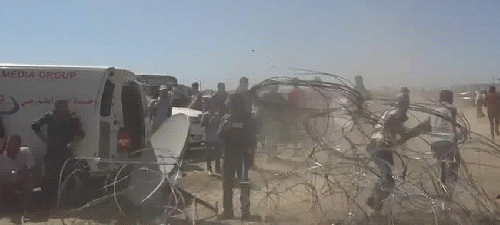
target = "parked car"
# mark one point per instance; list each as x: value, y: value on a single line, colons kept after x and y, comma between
x: 467, y: 98
x: 196, y: 136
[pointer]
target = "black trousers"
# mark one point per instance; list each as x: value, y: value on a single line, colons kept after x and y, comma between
x: 232, y: 165
x: 494, y: 118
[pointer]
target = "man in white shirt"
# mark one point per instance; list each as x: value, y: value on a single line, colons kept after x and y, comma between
x: 444, y: 141
x: 16, y: 165
x: 161, y: 108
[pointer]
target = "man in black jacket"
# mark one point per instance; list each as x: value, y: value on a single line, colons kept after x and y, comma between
x: 62, y: 128
x: 237, y: 130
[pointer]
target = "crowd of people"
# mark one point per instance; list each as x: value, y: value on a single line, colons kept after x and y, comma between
x: 231, y: 136
x: 231, y: 129
x: 390, y: 133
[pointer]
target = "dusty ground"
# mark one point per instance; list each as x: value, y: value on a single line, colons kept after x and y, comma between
x: 275, y: 209
x: 285, y: 209
x: 209, y: 187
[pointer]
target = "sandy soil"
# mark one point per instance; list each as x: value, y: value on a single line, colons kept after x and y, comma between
x: 209, y: 187
x: 277, y: 209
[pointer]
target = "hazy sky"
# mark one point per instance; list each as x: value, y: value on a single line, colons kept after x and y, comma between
x: 388, y: 42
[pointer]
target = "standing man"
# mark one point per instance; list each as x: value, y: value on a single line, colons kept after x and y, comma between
x: 210, y: 121
x: 237, y: 130
x: 161, y: 108
x: 271, y: 106
x: 16, y: 175
x: 196, y: 98
x: 246, y: 94
x: 248, y: 100
x: 387, y: 134
x: 296, y: 103
x: 492, y: 103
x: 444, y: 141
x: 219, y: 98
x: 63, y: 127
x: 479, y: 103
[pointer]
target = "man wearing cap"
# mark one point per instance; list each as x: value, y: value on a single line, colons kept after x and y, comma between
x: 63, y: 127
x: 161, y: 108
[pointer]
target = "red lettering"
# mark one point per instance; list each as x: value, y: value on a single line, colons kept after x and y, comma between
x: 43, y: 74
x: 83, y: 101
x: 5, y: 74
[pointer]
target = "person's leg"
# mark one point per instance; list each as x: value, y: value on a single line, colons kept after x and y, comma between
x: 219, y: 149
x: 497, y: 121
x: 245, y: 200
x: 478, y: 110
x: 452, y: 166
x: 492, y: 124
x: 209, y: 165
x: 209, y: 155
x: 227, y: 188
x: 217, y: 166
x: 3, y: 206
x: 50, y: 180
x: 27, y: 188
x: 239, y: 168
x: 448, y: 157
x: 246, y: 165
x: 383, y: 160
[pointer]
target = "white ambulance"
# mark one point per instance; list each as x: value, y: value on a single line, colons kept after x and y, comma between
x: 109, y: 101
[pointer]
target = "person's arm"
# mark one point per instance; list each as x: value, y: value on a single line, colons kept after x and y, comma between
x: 224, y: 127
x: 38, y: 124
x: 454, y: 122
x: 422, y: 128
x: 77, y: 128
x: 253, y: 134
x: 205, y: 118
x: 152, y: 108
x: 196, y: 102
x: 169, y: 112
x: 2, y: 129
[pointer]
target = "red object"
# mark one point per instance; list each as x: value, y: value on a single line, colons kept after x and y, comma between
x: 124, y: 140
x: 492, y: 102
x: 296, y: 98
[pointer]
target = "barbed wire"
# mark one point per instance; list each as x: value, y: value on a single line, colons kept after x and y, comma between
x: 349, y: 170
x: 332, y: 183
